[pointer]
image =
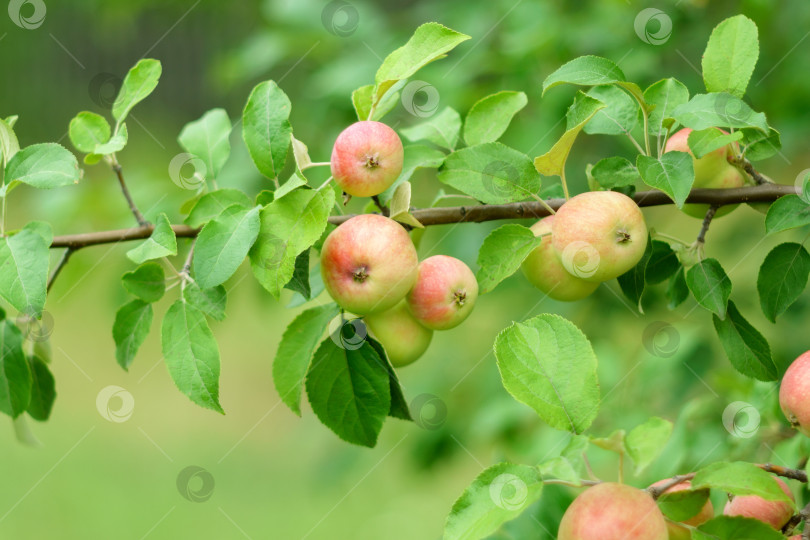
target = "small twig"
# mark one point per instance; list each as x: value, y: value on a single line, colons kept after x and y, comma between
x: 805, y: 515
x: 61, y: 264
x: 130, y: 201
x: 785, y: 472
x: 749, y: 168
x: 794, y: 474
x: 701, y: 239
x: 380, y: 205
x: 657, y: 491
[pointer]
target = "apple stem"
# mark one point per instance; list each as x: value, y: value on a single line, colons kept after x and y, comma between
x: 383, y: 209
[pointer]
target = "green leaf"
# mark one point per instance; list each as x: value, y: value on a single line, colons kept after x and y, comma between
x: 9, y: 145
x: 15, y: 374
x: 416, y: 156
x: 212, y: 204
x: 499, y: 494
x: 210, y: 301
x: 502, y: 253
x: 677, y: 289
x: 401, y: 206
x: 131, y: 326
x: 24, y: 261
x: 43, y: 166
x: 552, y: 163
x: 782, y: 278
x: 441, y: 129
x: 760, y: 145
x: 664, y: 96
x: 731, y: 55
x: 682, y: 505
x: 300, y: 280
x: 547, y: 363
x: 632, y: 281
x: 612, y: 443
x: 619, y: 116
x: 399, y: 407
x: 429, y: 42
x: 673, y: 173
x: 161, y: 243
x: 615, y: 172
x: 736, y: 528
x: 739, y: 478
x: 138, y: 84
x: 294, y: 182
x: 349, y: 391
x: 585, y: 71
x: 708, y: 140
x: 222, y: 245
x: 493, y: 173
x: 207, y: 138
x: 191, y: 354
x: 147, y: 282
x: 745, y: 347
x: 718, y: 110
x: 710, y: 285
x: 43, y: 389
x: 288, y: 227
x: 116, y: 143
x: 787, y: 212
x: 490, y: 116
x: 362, y: 100
x: 88, y: 130
x: 266, y: 127
x: 295, y: 352
x: 559, y: 467
x: 663, y: 263
x: 645, y: 442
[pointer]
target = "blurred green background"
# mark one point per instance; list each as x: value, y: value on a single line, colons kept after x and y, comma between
x: 278, y: 476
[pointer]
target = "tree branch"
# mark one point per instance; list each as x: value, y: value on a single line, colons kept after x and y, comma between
x: 61, y: 264
x: 748, y: 167
x: 794, y: 474
x: 707, y: 220
x: 467, y: 214
x: 130, y: 201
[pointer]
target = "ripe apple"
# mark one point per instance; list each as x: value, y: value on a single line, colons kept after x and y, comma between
x: 610, y: 511
x: 774, y: 513
x: 599, y: 235
x: 368, y: 264
x: 712, y: 171
x: 545, y: 271
x: 678, y: 532
x: 794, y: 393
x: 404, y: 339
x: 367, y: 158
x: 444, y: 293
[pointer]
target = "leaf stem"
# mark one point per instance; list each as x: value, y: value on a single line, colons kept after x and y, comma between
x: 564, y: 185
x: 119, y: 173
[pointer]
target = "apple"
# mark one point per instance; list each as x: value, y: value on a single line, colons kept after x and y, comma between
x: 368, y: 264
x: 403, y: 338
x: 678, y: 532
x: 599, y: 235
x: 444, y: 293
x: 545, y: 271
x: 611, y: 511
x: 774, y: 513
x: 367, y: 158
x: 712, y: 171
x: 794, y: 393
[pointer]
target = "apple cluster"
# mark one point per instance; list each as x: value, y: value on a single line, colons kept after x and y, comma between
x: 369, y: 264
x: 594, y: 237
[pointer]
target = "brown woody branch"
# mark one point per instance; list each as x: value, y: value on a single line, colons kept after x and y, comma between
x: 119, y: 173
x: 467, y: 214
